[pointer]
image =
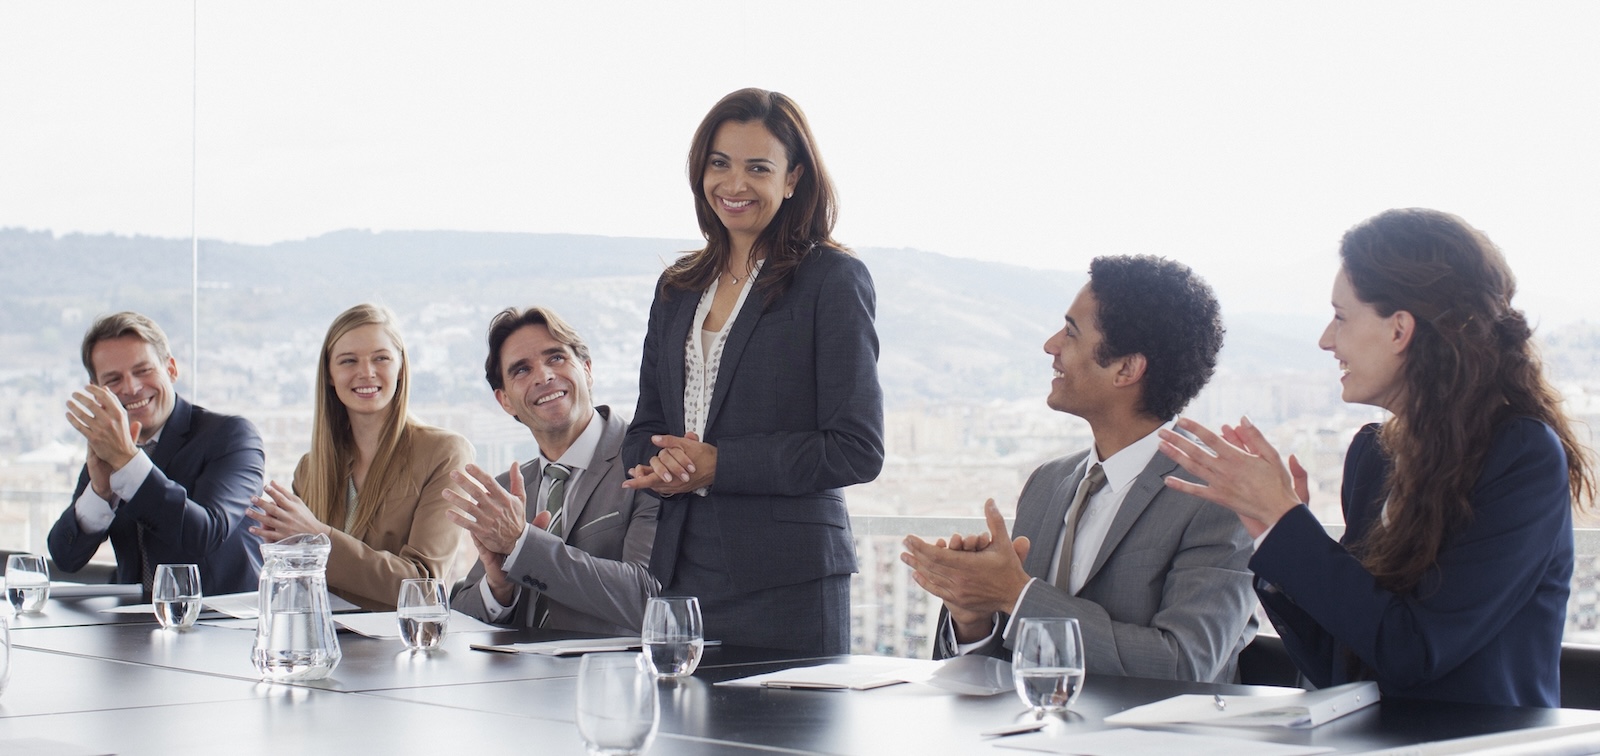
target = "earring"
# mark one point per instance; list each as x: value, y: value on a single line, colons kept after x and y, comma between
x: 790, y: 195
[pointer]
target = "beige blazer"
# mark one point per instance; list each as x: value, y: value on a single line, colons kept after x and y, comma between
x: 410, y: 537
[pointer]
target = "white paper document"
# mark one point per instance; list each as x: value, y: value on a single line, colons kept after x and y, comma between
x: 386, y: 625
x: 1130, y: 742
x: 861, y: 673
x: 973, y: 675
x: 236, y: 605
x: 1295, y: 708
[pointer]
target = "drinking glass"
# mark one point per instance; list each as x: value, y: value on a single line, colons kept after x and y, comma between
x: 27, y: 582
x: 1047, y: 663
x: 618, y: 709
x: 176, y: 593
x: 424, y: 613
x: 673, y: 635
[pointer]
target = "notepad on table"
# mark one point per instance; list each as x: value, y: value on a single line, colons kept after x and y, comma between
x: 1297, y: 709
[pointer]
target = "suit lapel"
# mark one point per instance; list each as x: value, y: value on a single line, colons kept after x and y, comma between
x: 605, y: 454
x: 174, y: 434
x: 676, y: 340
x: 743, y: 326
x: 1145, y: 487
x: 1042, y: 554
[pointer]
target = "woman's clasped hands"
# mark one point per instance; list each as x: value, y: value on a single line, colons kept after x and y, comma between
x: 683, y: 464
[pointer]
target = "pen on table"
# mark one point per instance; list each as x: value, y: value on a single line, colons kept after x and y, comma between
x: 1221, y: 704
x: 1016, y: 729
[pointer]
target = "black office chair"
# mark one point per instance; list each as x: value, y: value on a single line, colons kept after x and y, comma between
x: 1580, y: 676
x: 1265, y: 662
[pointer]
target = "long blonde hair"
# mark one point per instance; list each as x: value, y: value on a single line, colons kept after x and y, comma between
x: 333, y: 445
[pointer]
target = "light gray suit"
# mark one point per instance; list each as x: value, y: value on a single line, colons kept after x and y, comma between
x: 1170, y: 592
x: 598, y: 579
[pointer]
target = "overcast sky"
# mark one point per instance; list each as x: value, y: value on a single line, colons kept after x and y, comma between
x: 1242, y: 138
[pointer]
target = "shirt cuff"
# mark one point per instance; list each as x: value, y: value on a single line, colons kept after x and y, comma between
x: 492, y: 608
x: 517, y: 549
x: 1264, y: 535
x: 962, y: 649
x: 125, y: 482
x: 94, y: 513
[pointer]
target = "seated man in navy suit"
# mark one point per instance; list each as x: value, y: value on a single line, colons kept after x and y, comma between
x: 168, y: 482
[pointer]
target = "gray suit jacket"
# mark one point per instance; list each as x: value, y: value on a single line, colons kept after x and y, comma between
x: 598, y: 579
x: 1170, y: 593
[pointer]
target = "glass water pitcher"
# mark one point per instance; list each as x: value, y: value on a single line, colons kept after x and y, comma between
x: 294, y: 631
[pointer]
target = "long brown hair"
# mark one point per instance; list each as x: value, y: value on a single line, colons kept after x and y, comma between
x: 1470, y: 365
x: 333, y: 445
x: 802, y: 222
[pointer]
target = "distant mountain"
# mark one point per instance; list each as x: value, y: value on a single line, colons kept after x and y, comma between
x: 951, y: 329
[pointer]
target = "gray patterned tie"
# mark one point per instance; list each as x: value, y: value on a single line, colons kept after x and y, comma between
x: 1086, y: 488
x: 558, y: 475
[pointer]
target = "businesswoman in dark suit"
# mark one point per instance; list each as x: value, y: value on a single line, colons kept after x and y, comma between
x: 1451, y: 579
x: 758, y: 391
x: 375, y: 479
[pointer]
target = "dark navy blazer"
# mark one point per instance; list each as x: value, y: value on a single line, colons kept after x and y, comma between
x: 1485, y: 624
x: 207, y: 466
x: 796, y: 415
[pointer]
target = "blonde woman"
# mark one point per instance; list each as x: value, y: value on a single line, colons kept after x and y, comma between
x: 375, y: 478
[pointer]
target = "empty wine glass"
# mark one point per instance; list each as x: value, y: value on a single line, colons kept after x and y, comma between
x: 424, y: 613
x: 27, y: 582
x: 673, y: 635
x: 1047, y: 663
x: 618, y: 708
x: 176, y: 593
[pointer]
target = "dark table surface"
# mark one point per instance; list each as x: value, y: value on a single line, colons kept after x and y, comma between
x: 135, y: 688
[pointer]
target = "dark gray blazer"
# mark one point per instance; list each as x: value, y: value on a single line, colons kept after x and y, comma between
x: 796, y: 415
x: 1170, y: 592
x: 207, y: 466
x: 596, y: 579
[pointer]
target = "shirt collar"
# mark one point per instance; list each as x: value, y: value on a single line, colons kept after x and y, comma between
x: 580, y: 455
x: 1124, y: 466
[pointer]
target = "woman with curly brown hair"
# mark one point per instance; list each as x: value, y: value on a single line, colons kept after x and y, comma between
x: 1452, y: 577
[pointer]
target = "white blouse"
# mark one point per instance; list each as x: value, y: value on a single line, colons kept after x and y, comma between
x: 702, y: 354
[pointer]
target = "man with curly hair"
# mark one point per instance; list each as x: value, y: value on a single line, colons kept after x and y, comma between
x: 1158, y: 580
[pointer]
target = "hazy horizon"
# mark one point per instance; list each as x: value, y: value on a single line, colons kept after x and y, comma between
x: 1240, y: 137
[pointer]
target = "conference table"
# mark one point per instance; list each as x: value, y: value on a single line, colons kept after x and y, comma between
x: 87, y: 682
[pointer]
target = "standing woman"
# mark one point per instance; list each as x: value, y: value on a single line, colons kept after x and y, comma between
x: 758, y: 391
x: 374, y: 481
x: 1451, y: 580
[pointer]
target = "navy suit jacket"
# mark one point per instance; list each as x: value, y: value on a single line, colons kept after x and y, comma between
x: 1484, y: 626
x: 207, y: 466
x: 796, y: 415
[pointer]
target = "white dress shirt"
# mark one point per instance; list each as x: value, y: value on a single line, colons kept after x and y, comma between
x: 94, y: 513
x: 1121, y: 469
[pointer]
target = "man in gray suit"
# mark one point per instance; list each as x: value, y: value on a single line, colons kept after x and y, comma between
x: 1157, y: 579
x: 577, y: 556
